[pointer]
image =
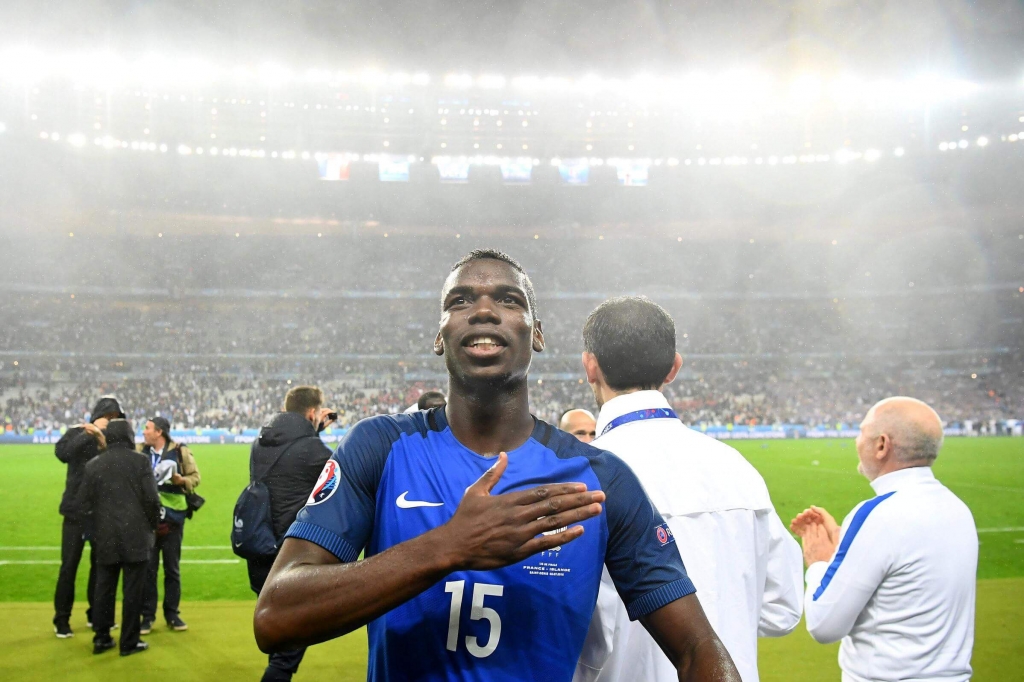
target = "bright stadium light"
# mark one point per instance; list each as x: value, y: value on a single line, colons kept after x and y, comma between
x: 898, y: 151
x: 963, y: 144
x: 845, y: 156
x: 982, y: 141
x: 274, y: 75
x: 491, y: 82
x: 458, y: 80
x: 526, y: 83
x: 872, y: 155
x: 76, y: 140
x: 373, y: 78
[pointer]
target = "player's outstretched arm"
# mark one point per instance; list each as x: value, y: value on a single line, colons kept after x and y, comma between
x: 310, y: 596
x: 683, y: 632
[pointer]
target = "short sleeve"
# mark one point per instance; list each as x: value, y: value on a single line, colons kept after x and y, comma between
x: 642, y: 558
x: 339, y: 513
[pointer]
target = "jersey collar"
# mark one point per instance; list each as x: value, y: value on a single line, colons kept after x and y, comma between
x: 900, y: 479
x: 629, y: 402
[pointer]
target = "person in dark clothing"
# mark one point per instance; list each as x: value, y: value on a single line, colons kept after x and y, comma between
x: 121, y: 508
x: 75, y: 448
x: 431, y: 399
x: 290, y: 477
x: 160, y: 449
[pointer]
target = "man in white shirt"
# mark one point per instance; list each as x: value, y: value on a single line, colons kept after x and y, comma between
x: 897, y: 582
x: 746, y: 567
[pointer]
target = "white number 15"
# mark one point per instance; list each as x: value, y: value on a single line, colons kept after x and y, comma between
x: 478, y: 612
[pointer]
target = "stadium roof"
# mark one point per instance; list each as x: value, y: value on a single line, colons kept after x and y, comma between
x: 982, y: 39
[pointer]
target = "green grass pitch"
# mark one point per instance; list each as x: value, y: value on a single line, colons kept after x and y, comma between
x: 988, y: 474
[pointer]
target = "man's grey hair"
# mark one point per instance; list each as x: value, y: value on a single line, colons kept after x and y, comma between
x: 914, y: 446
x: 912, y: 439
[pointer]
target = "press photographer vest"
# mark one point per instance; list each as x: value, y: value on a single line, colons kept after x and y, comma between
x: 171, y: 496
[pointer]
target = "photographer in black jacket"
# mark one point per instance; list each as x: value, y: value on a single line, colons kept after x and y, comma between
x: 76, y: 447
x: 288, y: 457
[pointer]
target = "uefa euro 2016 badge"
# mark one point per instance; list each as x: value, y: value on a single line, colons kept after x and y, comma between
x: 326, y: 485
x: 664, y: 534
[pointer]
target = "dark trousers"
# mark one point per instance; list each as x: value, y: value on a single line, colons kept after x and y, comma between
x: 281, y: 666
x: 170, y: 546
x: 71, y: 547
x: 131, y: 608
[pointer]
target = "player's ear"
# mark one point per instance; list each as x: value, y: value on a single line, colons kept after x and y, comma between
x: 591, y: 368
x: 438, y: 344
x: 538, y: 337
x: 677, y: 363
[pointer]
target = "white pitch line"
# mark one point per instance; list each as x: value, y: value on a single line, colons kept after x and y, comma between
x: 55, y: 562
x: 1001, y: 530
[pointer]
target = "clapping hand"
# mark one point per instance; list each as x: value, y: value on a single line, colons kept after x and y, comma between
x: 819, y: 533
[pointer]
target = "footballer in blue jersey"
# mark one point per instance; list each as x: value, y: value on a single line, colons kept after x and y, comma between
x: 484, y: 531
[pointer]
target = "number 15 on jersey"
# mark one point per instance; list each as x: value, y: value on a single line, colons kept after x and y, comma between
x: 478, y: 611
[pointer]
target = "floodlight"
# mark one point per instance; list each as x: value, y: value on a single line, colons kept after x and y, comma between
x: 491, y: 82
x: 458, y: 80
x: 898, y: 151
x: 76, y: 140
x: 421, y: 79
x: 526, y: 82
x: 963, y: 144
x: 845, y: 156
x: 373, y: 78
x: 805, y: 90
x: 318, y: 76
x: 872, y: 155
x: 982, y: 141
x: 184, y: 150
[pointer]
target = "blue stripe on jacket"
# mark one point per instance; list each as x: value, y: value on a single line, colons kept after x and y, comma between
x: 858, y: 520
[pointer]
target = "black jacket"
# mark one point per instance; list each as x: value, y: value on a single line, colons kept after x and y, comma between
x: 75, y: 448
x: 292, y: 479
x: 120, y: 505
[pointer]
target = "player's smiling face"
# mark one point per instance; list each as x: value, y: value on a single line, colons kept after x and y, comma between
x: 488, y: 331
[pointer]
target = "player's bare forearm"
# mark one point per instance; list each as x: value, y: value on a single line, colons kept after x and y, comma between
x: 683, y: 632
x: 310, y: 597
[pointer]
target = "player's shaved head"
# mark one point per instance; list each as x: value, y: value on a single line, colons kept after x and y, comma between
x: 914, y: 427
x: 580, y: 423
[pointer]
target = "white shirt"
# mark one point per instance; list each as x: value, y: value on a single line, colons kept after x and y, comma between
x: 745, y: 565
x: 900, y: 589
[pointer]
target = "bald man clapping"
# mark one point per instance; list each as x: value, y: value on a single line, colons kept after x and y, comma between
x: 896, y: 582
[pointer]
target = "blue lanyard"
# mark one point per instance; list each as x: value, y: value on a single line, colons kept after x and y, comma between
x: 653, y: 413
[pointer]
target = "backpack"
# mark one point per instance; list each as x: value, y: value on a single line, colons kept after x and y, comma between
x: 252, y: 531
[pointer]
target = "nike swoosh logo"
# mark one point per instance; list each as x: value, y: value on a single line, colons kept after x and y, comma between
x: 412, y: 504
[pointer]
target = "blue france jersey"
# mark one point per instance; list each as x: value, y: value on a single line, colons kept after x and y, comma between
x: 396, y: 477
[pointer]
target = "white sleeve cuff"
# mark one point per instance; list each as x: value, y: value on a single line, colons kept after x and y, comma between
x: 815, y: 572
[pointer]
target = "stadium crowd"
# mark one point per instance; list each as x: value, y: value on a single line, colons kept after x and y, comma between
x: 819, y: 392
